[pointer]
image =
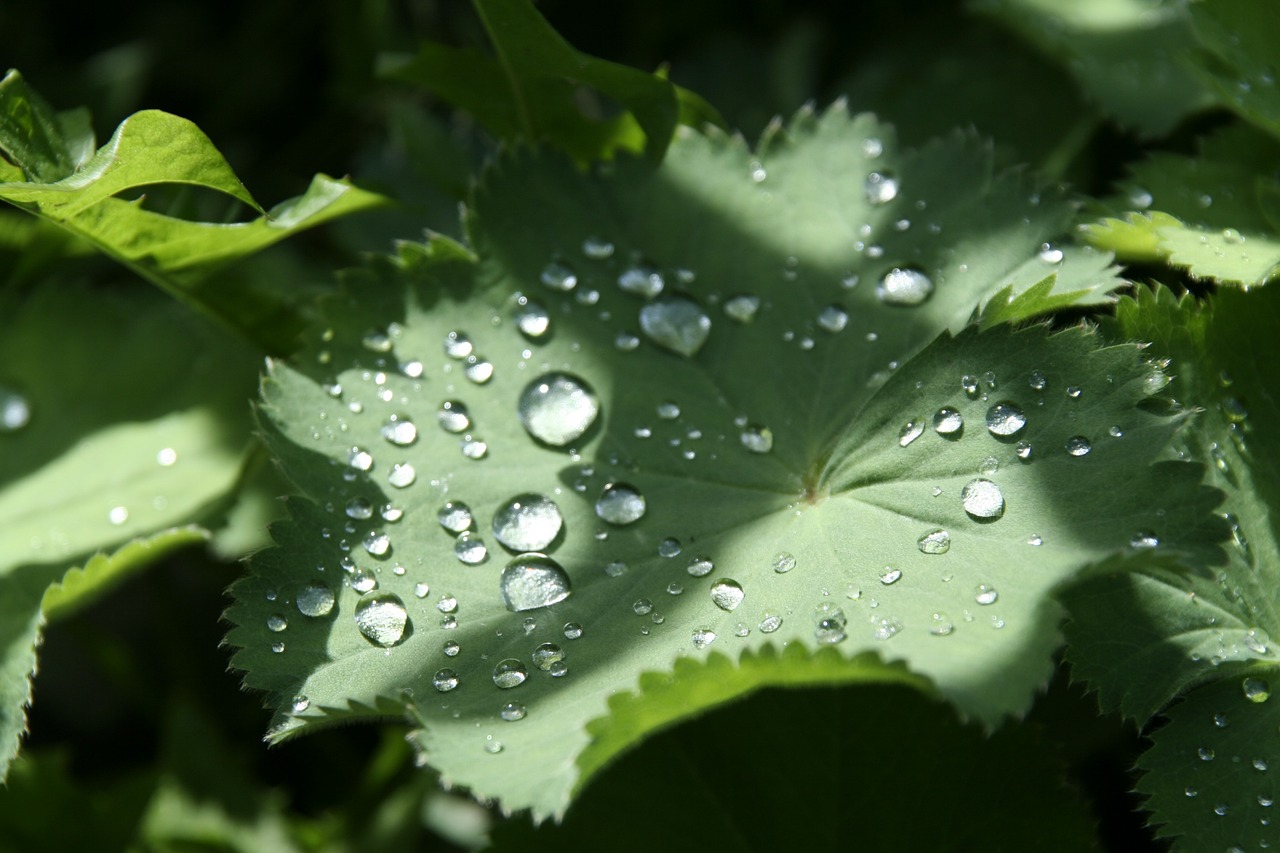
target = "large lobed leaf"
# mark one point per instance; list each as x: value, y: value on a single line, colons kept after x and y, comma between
x: 784, y: 451
x: 1144, y: 638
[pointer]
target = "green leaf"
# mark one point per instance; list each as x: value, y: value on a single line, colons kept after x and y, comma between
x: 98, y: 451
x: 886, y: 760
x: 182, y: 257
x: 823, y: 377
x: 1127, y: 55
x: 41, y: 145
x: 1239, y: 37
x: 1206, y: 214
x: 1141, y: 639
x: 531, y: 88
x: 1211, y: 775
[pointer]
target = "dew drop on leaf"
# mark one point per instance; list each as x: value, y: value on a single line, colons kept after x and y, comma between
x: 363, y: 580
x: 509, y: 673
x: 558, y: 275
x: 299, y: 704
x: 402, y: 475
x: 769, y: 623
x: 703, y: 637
x: 1144, y: 540
x: 1005, y: 419
x: 527, y: 522
x: 399, y: 431
x: 359, y: 509
x: 530, y: 317
x: 479, y: 370
x: 829, y: 623
x: 382, y: 619
x: 783, y: 562
x: 904, y: 286
x: 15, y: 410
x: 676, y: 323
x: 420, y: 589
x: 1078, y: 446
x: 277, y: 623
x: 700, y: 566
x: 982, y: 499
x: 1256, y: 689
x: 742, y: 309
x: 457, y: 344
x: 531, y: 581
x: 455, y: 516
x: 620, y: 503
x: 359, y: 459
x: 512, y: 711
x: 934, y: 542
x: 376, y: 543
x: 948, y: 422
x: 890, y: 575
x: 453, y: 416
x: 1037, y: 381
x: 470, y: 549
x: 727, y: 594
x: 833, y: 318
x: 910, y: 431
x: 572, y: 630
x: 985, y: 594
x: 596, y: 248
x: 641, y: 279
x: 757, y: 438
x: 451, y: 649
x: 444, y: 680
x: 881, y: 188
x: 940, y: 625
x: 557, y: 408
x: 670, y: 547
x: 315, y: 600
x: 547, y: 655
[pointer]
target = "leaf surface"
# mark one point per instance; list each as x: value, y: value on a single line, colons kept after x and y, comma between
x: 1238, y: 61
x: 775, y: 452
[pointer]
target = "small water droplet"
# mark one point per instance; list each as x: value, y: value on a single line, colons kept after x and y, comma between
x: 620, y: 503
x: 512, y: 711
x: 455, y: 516
x: 277, y: 623
x: 757, y: 438
x: 572, y: 630
x: 444, y: 680
x: 727, y: 594
x: 982, y: 499
x: 829, y: 624
x: 421, y: 589
x: 1035, y: 540
x: 470, y: 549
x: 530, y: 317
x: 1049, y: 255
x: 642, y: 279
x: 1037, y: 381
x: 934, y: 542
x: 784, y: 562
x: 1023, y: 451
x: 700, y: 566
x: 1074, y: 392
x: 509, y: 673
x: 677, y: 323
x: 15, y: 411
x: 399, y: 431
x: 557, y: 408
x: 402, y: 475
x: 363, y: 580
x: 969, y: 385
x: 479, y: 370
x: 1256, y: 689
x: 910, y: 431
x: 833, y: 318
x: 457, y: 344
x: 769, y: 623
x: 1005, y: 419
x: 742, y: 309
x: 948, y: 422
x: 904, y: 286
x: 1078, y: 446
x: 669, y: 547
x: 376, y: 543
x: 527, y: 522
x: 376, y: 342
x: 940, y: 625
x: 315, y: 600
x: 558, y: 275
x: 642, y: 607
x: 596, y: 248
x: 164, y: 458
x: 1143, y: 540
x: 533, y: 580
x: 881, y: 188
x: 703, y: 637
x: 299, y: 704
x: 985, y: 594
x: 277, y: 647
x: 1205, y: 753
x: 359, y: 509
x: 890, y: 575
x: 547, y: 655
x: 382, y: 619
x: 453, y: 416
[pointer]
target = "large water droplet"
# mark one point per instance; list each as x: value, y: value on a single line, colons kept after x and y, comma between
x: 530, y: 317
x: 620, y: 503
x: 509, y: 673
x: 982, y: 499
x: 727, y: 594
x: 948, y: 422
x: 881, y: 188
x: 557, y: 408
x: 382, y: 619
x: 934, y: 542
x: 402, y: 475
x: 1256, y: 689
x: 1078, y: 446
x: 444, y: 680
x: 547, y: 655
x: 315, y: 599
x: 558, y: 275
x: 454, y: 516
x: 742, y: 308
x: 642, y: 280
x: 904, y: 286
x: 531, y: 581
x: 676, y: 323
x: 527, y: 522
x: 15, y: 410
x: 1005, y: 419
x: 453, y: 416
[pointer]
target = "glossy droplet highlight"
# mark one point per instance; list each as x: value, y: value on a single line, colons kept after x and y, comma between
x: 833, y: 318
x: 527, y: 522
x: 531, y: 581
x: 620, y: 503
x: 910, y: 431
x: 557, y: 408
x: 904, y: 286
x: 509, y: 673
x: 1005, y: 419
x: 314, y: 600
x: 15, y: 410
x: 742, y: 309
x: 558, y: 275
x: 757, y: 438
x: 453, y: 416
x: 985, y: 594
x: 641, y: 280
x: 399, y: 431
x: 881, y: 188
x: 530, y: 317
x: 948, y: 422
x: 382, y: 619
x: 982, y: 499
x: 934, y: 542
x: 402, y: 475
x: 703, y: 637
x: 676, y: 323
x: 727, y: 594
x: 455, y: 516
x: 547, y: 655
x: 444, y: 680
x: 1078, y: 446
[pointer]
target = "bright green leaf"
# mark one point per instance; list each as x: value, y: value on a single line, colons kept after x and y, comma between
x: 1240, y: 38
x: 801, y: 431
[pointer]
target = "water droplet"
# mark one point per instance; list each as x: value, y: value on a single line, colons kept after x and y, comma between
x: 757, y: 438
x: 642, y: 607
x: 1256, y: 689
x: 1023, y: 451
x: 470, y: 549
x: 829, y: 624
x: 910, y: 431
x: 969, y: 385
x: 769, y: 623
x: 1260, y: 764
x: 676, y: 323
x: 1035, y: 540
x: 626, y: 342
x: 597, y: 249
x: 547, y: 655
x: 402, y: 475
x: 620, y: 503
x: 700, y: 566
x: 1143, y: 540
x: 457, y: 344
x: 363, y: 580
x: 985, y: 594
x: 934, y: 542
x: 1205, y: 753
x: 530, y: 317
x: 904, y: 286
x: 165, y: 457
x: 703, y: 637
x: 669, y: 547
x: 531, y: 581
x: 478, y: 369
x: 833, y: 318
x: 1074, y: 392
x: 558, y: 275
x: 1078, y: 446
x: 277, y: 647
x: 399, y: 430
x: 277, y: 623
x: 15, y: 410
x: 572, y: 630
x: 783, y: 562
x: 948, y: 422
x: 453, y: 416
x: 557, y: 408
x: 509, y: 673
x: 455, y: 516
x: 359, y: 509
x: 1234, y: 410
x: 1191, y: 792
x: 727, y: 594
x: 360, y: 460
x: 382, y: 619
x: 527, y: 522
x: 982, y: 499
x: 1037, y: 381
x: 940, y: 625
x: 890, y: 575
x: 641, y: 280
x: 512, y: 711
x: 376, y: 342
x: 299, y: 704
x: 881, y: 188
x: 1005, y: 419
x: 444, y: 680
x: 377, y: 544
x: 451, y: 649
x: 314, y: 600
x: 742, y: 309
x: 1049, y: 255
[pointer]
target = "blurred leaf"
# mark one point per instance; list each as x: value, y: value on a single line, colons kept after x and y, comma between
x: 42, y: 145
x: 1239, y: 60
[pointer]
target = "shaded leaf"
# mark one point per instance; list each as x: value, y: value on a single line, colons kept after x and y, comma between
x: 1238, y: 62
